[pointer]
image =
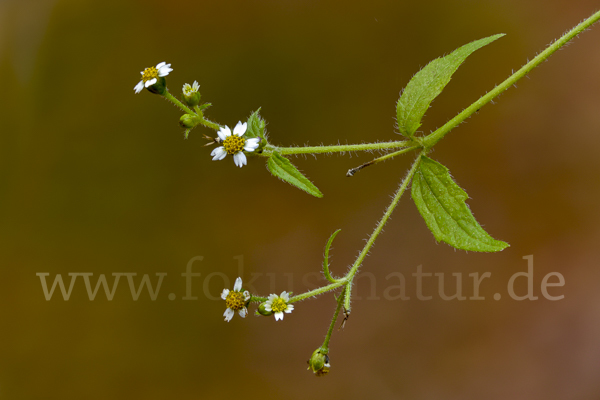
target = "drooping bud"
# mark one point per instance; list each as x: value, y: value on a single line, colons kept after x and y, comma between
x: 319, y: 362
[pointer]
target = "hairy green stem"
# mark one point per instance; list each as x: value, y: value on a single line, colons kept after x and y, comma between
x: 353, y: 171
x: 382, y: 222
x: 436, y: 136
x: 347, y: 279
x: 183, y: 107
x: 209, y: 124
x: 325, y: 346
x: 269, y: 149
x: 179, y: 104
x: 318, y: 291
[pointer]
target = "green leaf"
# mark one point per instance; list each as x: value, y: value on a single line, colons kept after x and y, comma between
x: 282, y: 168
x: 256, y: 126
x: 428, y: 83
x: 441, y: 202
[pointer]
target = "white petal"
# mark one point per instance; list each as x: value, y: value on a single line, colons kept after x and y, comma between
x: 247, y: 295
x: 150, y: 82
x: 195, y: 86
x: 240, y: 159
x: 250, y: 146
x: 224, y: 132
x: 228, y: 314
x: 224, y: 294
x: 160, y: 65
x: 138, y: 88
x: 290, y: 307
x: 278, y: 316
x: 238, y: 284
x: 285, y: 296
x: 272, y: 297
x: 268, y: 307
x: 219, y: 153
x: 164, y: 71
x: 243, y: 312
x: 240, y: 128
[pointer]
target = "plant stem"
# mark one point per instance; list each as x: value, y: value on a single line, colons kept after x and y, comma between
x: 183, y: 107
x: 258, y: 299
x: 436, y: 136
x: 325, y: 346
x: 269, y: 149
x: 353, y: 171
x: 382, y: 222
x: 347, y: 279
x: 179, y: 104
x: 318, y: 291
x: 209, y: 124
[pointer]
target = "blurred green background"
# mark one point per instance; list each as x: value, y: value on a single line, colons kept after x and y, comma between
x: 94, y: 178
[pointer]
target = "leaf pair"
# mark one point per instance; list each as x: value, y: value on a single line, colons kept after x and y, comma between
x: 438, y: 198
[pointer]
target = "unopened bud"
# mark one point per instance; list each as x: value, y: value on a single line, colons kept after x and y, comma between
x: 263, y: 311
x: 189, y: 121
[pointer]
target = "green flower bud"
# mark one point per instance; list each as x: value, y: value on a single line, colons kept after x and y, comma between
x: 263, y: 311
x: 319, y: 362
x: 189, y: 121
x: 160, y: 87
x: 191, y: 96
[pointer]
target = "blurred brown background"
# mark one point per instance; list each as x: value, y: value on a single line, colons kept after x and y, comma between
x: 94, y: 178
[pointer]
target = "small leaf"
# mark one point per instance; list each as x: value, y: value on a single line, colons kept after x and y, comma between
x: 282, y: 168
x: 441, y: 202
x: 256, y: 126
x: 428, y: 83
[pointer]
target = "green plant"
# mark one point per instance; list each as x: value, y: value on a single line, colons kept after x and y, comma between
x: 439, y: 199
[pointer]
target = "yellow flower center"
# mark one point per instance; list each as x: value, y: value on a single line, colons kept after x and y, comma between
x: 150, y: 73
x: 279, y: 305
x: 235, y: 300
x: 234, y: 144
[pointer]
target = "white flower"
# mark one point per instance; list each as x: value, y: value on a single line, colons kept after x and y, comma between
x: 150, y: 75
x: 278, y: 305
x: 189, y: 90
x: 235, y: 144
x: 235, y: 300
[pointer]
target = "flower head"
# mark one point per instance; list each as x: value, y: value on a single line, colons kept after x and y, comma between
x: 191, y: 96
x: 235, y: 300
x: 189, y: 90
x: 235, y: 144
x: 278, y: 305
x: 152, y: 75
